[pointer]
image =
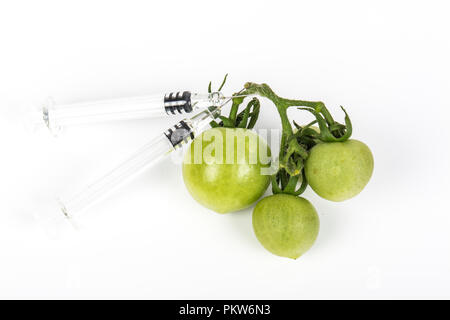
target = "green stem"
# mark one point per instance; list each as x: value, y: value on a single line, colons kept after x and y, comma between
x: 289, y: 178
x: 286, y: 127
x: 234, y: 110
x: 302, y: 103
x: 292, y: 183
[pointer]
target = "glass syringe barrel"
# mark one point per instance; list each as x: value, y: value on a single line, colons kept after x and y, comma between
x: 150, y: 153
x: 56, y: 117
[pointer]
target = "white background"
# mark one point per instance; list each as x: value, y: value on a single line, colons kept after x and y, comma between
x: 387, y: 62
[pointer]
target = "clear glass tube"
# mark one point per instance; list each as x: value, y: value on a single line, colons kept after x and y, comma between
x: 56, y: 117
x: 139, y: 161
x: 106, y: 110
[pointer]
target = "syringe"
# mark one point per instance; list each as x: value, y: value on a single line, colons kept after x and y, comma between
x: 55, y: 117
x: 157, y: 148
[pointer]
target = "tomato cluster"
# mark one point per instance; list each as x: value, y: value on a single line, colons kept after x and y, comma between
x: 337, y: 168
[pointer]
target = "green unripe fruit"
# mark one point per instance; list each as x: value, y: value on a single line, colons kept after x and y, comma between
x: 338, y: 171
x: 285, y: 225
x: 226, y: 183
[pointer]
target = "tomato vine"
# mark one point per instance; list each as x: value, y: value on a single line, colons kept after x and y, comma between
x: 296, y: 144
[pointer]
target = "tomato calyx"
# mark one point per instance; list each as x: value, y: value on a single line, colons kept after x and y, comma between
x: 295, y: 145
x: 330, y: 130
x: 245, y: 119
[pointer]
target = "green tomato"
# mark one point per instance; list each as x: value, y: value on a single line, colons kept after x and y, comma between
x: 286, y: 225
x: 227, y: 174
x: 338, y: 171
